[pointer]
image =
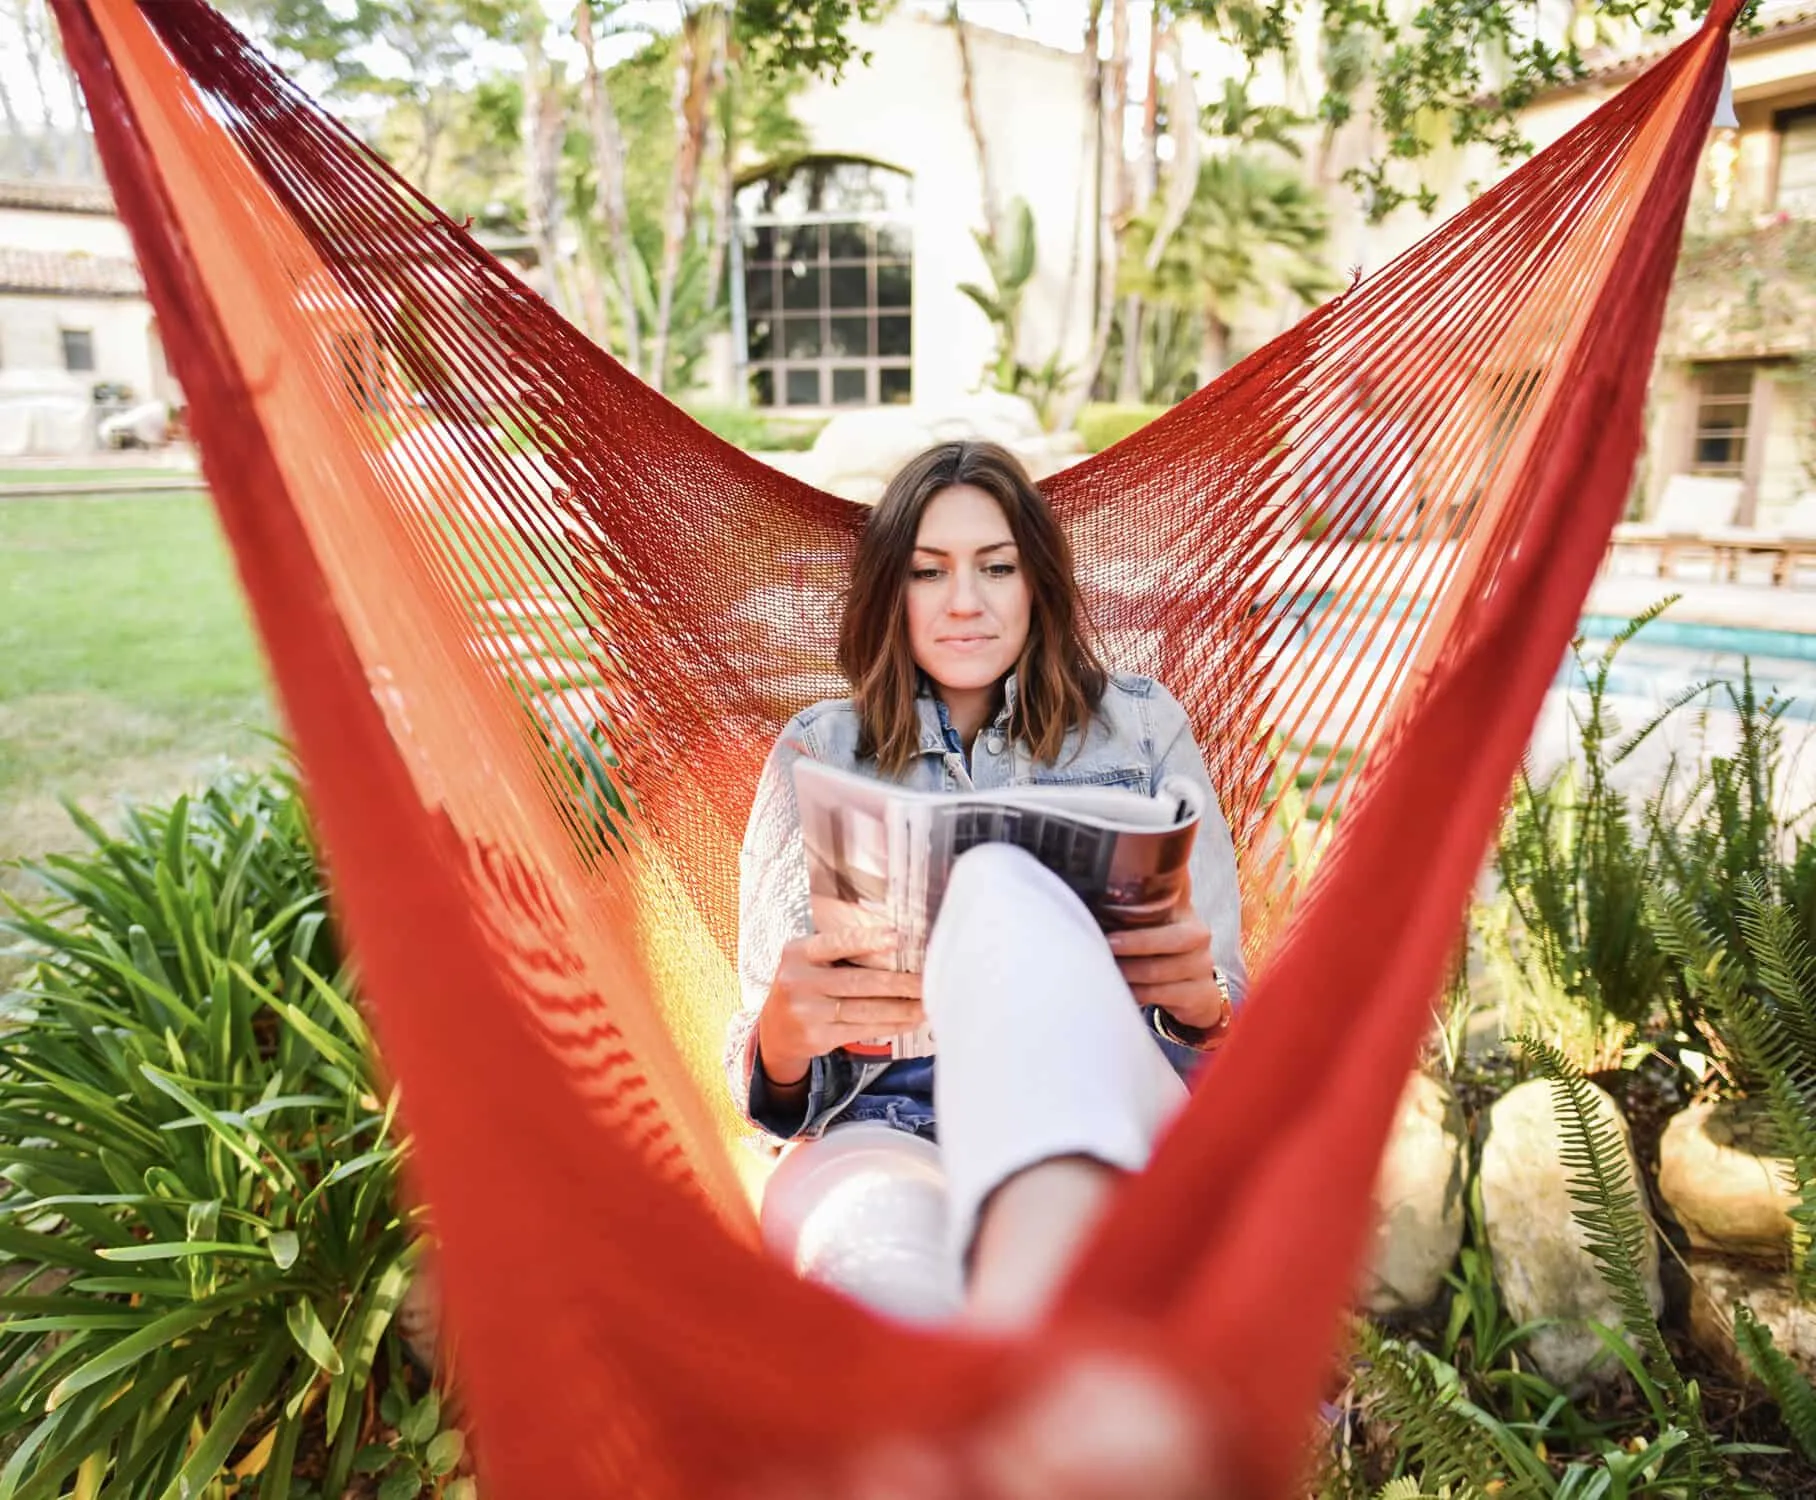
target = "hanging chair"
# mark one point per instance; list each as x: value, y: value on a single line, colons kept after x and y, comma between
x: 533, y: 630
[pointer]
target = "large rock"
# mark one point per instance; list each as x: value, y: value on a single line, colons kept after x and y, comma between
x: 1540, y: 1261
x: 1717, y: 1285
x: 857, y: 452
x: 1419, y: 1198
x: 1717, y: 1172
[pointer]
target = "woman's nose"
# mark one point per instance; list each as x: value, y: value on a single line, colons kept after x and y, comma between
x: 965, y: 598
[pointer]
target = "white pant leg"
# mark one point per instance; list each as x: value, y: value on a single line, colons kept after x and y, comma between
x: 1042, y: 1053
x: 863, y: 1211
x: 1042, y: 1049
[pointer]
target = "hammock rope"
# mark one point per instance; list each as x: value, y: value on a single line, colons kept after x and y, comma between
x: 507, y: 591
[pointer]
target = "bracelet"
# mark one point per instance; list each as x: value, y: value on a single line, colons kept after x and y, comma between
x: 1200, y: 1038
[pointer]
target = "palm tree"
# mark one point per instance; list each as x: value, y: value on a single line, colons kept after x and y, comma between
x: 1254, y: 231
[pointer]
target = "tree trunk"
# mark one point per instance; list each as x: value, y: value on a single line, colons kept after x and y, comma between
x: 1188, y: 153
x: 1112, y: 196
x: 1091, y: 150
x: 609, y: 200
x: 590, y: 291
x: 694, y: 77
x: 1147, y: 180
x: 1213, y: 347
x: 968, y: 86
x: 542, y: 125
x: 725, y: 173
x: 19, y: 165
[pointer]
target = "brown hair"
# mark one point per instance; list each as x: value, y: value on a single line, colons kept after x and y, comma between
x: 1059, y: 680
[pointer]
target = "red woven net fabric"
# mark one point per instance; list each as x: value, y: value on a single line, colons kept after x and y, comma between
x: 534, y: 631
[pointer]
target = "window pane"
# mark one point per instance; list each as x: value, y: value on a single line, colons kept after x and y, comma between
x: 762, y: 387
x: 827, y: 186
x: 893, y: 285
x: 850, y: 336
x: 850, y: 286
x: 1797, y: 165
x: 78, y: 349
x: 850, y: 387
x: 1720, y: 453
x: 1723, y: 412
x: 847, y: 241
x: 801, y: 337
x: 762, y: 339
x: 894, y: 336
x: 894, y: 241
x: 759, y: 243
x: 895, y: 387
x: 801, y: 289
x: 801, y: 242
x: 803, y: 388
x: 760, y: 290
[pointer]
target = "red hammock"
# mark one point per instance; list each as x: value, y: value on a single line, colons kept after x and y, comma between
x: 492, y: 572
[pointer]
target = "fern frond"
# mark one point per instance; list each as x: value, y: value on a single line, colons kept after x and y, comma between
x: 1784, y: 963
x: 1788, y: 1385
x: 1440, y: 1434
x: 1616, y: 1232
x: 1711, y: 975
x: 1404, y: 1488
x: 1677, y: 700
x: 1638, y: 623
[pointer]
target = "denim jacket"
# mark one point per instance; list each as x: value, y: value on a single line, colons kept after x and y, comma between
x: 1138, y: 737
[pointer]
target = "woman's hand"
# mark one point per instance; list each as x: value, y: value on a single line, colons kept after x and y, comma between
x: 1171, y: 967
x: 817, y: 1005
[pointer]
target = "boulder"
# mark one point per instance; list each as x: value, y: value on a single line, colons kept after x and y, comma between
x: 1419, y: 1200
x: 1723, y: 1184
x: 1540, y: 1261
x: 1717, y: 1284
x: 857, y: 452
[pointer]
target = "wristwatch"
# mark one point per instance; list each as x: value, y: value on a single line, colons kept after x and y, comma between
x: 1202, y: 1038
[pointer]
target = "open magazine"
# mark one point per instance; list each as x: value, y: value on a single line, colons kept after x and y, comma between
x: 878, y: 855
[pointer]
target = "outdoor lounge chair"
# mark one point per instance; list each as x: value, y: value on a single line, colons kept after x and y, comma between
x: 1693, y: 515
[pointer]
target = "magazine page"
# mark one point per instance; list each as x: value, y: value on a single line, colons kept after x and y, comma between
x: 879, y: 856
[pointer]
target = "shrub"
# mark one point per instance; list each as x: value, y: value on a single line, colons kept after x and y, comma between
x: 200, y: 1238
x: 757, y: 431
x: 1103, y: 423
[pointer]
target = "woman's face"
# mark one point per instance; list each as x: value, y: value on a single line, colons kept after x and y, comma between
x: 968, y: 598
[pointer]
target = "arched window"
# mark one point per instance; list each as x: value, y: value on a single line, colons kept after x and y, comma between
x: 828, y: 271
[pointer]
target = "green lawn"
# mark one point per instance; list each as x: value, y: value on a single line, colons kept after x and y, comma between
x: 127, y: 663
x: 60, y: 475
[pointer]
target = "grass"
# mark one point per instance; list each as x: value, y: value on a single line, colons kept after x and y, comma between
x: 128, y: 667
x: 60, y: 475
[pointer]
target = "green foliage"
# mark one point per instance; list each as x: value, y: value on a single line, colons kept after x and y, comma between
x: 1104, y: 423
x: 425, y: 1455
x: 1618, y: 1236
x: 802, y: 36
x: 1254, y: 228
x: 1441, y: 1435
x: 1761, y: 1003
x: 1788, y: 1385
x: 1169, y: 348
x: 1009, y: 256
x: 1728, y: 829
x: 201, y: 1231
x: 756, y: 431
x: 1577, y: 865
x: 696, y: 314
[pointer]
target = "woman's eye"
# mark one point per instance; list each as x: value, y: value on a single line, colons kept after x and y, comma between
x: 1001, y: 570
x: 924, y: 575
